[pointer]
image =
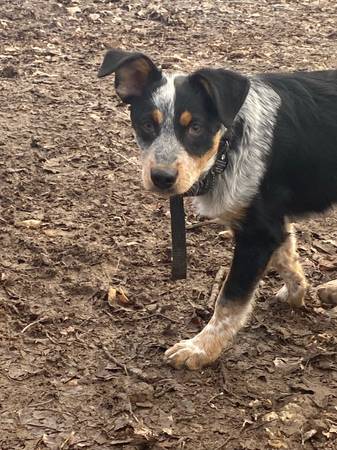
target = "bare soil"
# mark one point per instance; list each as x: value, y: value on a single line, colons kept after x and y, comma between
x: 78, y: 371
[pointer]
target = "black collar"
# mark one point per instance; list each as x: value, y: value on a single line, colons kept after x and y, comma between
x: 207, y: 182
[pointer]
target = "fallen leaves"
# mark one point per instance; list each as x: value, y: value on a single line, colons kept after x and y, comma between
x: 117, y: 296
x: 327, y: 292
x: 81, y: 170
x: 288, y: 365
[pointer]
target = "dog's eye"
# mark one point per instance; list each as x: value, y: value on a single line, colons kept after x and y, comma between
x: 148, y: 126
x: 195, y: 129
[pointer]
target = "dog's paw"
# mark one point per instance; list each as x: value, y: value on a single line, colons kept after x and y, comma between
x: 206, y: 347
x: 295, y: 298
x: 186, y: 353
x: 197, y: 352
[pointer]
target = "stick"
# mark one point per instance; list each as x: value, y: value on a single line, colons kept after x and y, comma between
x: 113, y: 359
x: 218, y: 280
x: 42, y: 319
x: 192, y: 226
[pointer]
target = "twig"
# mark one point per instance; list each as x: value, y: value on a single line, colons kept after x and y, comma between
x: 215, y: 396
x: 222, y: 446
x: 219, y: 277
x: 68, y: 440
x: 128, y: 370
x: 50, y: 338
x: 136, y: 319
x: 35, y: 405
x: 201, y: 224
x: 129, y: 161
x: 166, y: 317
x: 120, y: 442
x: 38, y: 425
x: 42, y: 319
x: 113, y: 359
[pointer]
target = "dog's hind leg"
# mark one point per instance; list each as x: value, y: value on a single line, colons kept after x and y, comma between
x: 286, y: 262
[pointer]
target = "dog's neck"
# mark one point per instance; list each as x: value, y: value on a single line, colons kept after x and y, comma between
x: 252, y: 135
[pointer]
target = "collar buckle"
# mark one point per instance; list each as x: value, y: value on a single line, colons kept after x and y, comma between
x: 222, y: 159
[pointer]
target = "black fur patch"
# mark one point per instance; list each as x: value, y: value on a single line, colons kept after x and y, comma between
x: 302, y: 173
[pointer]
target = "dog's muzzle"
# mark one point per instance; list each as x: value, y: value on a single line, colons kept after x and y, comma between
x: 164, y: 178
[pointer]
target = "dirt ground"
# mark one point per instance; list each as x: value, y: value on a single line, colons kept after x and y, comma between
x: 77, y: 371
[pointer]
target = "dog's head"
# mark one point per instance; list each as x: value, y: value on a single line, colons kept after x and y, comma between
x: 178, y: 119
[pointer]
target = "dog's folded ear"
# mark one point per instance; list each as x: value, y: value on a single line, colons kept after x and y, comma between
x: 135, y: 72
x: 227, y: 90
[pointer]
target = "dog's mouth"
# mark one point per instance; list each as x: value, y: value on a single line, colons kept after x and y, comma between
x: 163, y: 193
x: 176, y: 178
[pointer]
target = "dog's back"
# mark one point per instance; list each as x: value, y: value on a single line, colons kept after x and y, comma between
x: 304, y: 157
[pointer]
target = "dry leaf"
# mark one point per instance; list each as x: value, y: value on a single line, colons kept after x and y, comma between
x: 327, y: 292
x: 327, y: 265
x: 308, y: 435
x: 270, y: 417
x: 73, y: 10
x: 112, y: 294
x: 142, y: 430
x: 226, y: 234
x: 291, y: 412
x: 117, y: 296
x: 50, y: 232
x: 275, y: 441
x: 332, y: 430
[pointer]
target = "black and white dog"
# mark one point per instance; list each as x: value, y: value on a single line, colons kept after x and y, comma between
x: 281, y: 131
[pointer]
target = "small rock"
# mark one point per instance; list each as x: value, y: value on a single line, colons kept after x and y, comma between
x: 29, y: 223
x: 254, y: 403
x: 151, y: 308
x: 73, y: 10
x: 327, y: 292
x: 145, y: 405
x: 94, y: 17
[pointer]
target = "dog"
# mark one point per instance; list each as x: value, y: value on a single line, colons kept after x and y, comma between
x: 280, y: 131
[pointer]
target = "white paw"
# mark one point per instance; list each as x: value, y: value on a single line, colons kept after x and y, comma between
x: 295, y: 298
x: 186, y: 353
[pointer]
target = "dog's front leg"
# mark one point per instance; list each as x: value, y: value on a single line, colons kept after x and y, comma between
x: 253, y: 251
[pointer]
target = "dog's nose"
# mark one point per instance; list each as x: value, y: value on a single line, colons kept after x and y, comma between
x: 164, y: 178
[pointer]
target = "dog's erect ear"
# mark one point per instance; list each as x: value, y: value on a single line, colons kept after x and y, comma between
x: 134, y: 72
x: 227, y: 90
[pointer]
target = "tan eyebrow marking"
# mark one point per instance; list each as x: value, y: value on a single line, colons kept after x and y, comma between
x: 157, y: 116
x: 185, y: 118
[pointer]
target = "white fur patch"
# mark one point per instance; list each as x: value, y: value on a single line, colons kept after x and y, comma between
x: 166, y: 146
x: 240, y: 182
x: 192, y: 346
x: 226, y: 322
x: 164, y: 97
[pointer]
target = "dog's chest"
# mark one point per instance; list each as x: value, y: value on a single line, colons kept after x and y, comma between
x: 222, y: 204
